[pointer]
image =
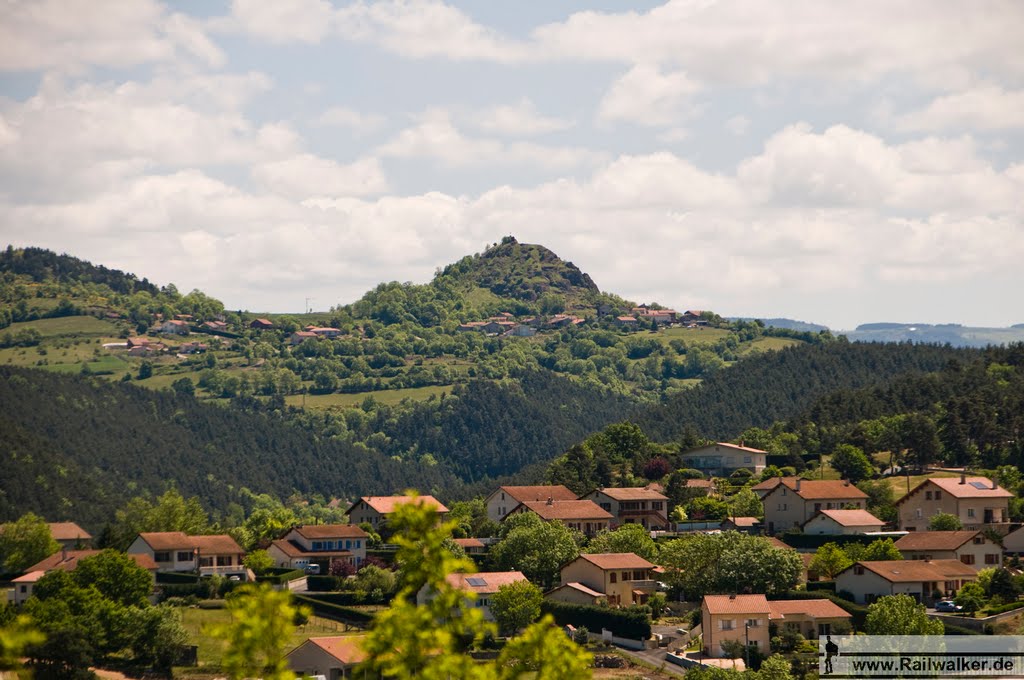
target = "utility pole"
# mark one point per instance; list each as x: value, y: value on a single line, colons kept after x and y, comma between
x: 309, y: 310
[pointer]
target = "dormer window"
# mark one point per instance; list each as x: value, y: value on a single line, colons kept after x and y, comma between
x: 858, y: 570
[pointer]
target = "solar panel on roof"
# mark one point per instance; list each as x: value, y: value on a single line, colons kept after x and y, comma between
x: 476, y: 581
x: 979, y: 485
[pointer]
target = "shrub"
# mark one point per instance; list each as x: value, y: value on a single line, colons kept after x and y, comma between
x: 628, y: 623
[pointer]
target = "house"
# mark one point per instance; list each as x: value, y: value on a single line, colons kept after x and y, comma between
x: 192, y: 348
x: 215, y: 326
x: 173, y: 327
x: 925, y: 581
x: 978, y: 502
x: 471, y: 546
x: 1013, y: 542
x: 623, y: 578
x: 636, y: 505
x: 471, y: 326
x: 65, y: 560
x: 69, y: 535
x: 741, y: 618
x: 722, y: 459
x: 583, y: 516
x: 498, y: 327
x: 299, y: 337
x: 319, y: 544
x: 762, y: 488
x: 970, y: 547
x: 483, y: 585
x: 375, y: 509
x: 23, y: 587
x: 794, y: 501
x: 177, y: 551
x: 324, y: 332
x: 262, y: 324
x: 329, y: 657
x: 810, y: 618
x: 846, y: 522
x: 136, y: 342
x: 748, y: 525
x: 576, y: 593
x: 627, y: 321
x: 563, y: 321
x: 521, y: 331
x: 506, y: 498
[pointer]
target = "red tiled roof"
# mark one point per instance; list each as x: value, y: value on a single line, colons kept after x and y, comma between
x: 30, y: 577
x: 330, y: 531
x: 347, y: 649
x: 820, y: 489
x: 67, y: 560
x: 219, y: 544
x: 743, y: 521
x: 557, y: 492
x: 607, y: 561
x: 292, y: 549
x: 484, y: 582
x: 935, y: 540
x: 849, y: 518
x: 969, y: 487
x: 385, y: 505
x: 906, y: 571
x: 581, y: 588
x: 634, y: 494
x: 571, y: 510
x: 818, y: 609
x: 776, y: 543
x: 67, y: 531
x: 767, y: 485
x: 737, y: 604
x: 468, y: 542
x: 728, y: 445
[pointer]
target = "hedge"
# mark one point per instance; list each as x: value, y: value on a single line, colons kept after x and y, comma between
x: 815, y: 541
x: 952, y: 629
x: 280, y: 577
x: 322, y: 584
x: 174, y: 577
x: 818, y: 586
x: 632, y: 624
x: 999, y: 609
x: 328, y: 610
x: 350, y: 597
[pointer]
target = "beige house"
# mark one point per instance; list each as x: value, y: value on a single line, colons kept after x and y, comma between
x: 22, y: 587
x: 810, y: 618
x: 923, y: 580
x: 70, y: 535
x: 576, y: 593
x: 319, y: 544
x: 472, y: 546
x: 64, y: 560
x: 742, y: 618
x: 979, y: 502
x: 583, y: 516
x: 636, y: 505
x: 722, y: 459
x: 970, y: 547
x: 842, y: 522
x: 483, y: 585
x: 794, y: 501
x: 1013, y: 542
x: 375, y: 509
x: 177, y: 551
x: 623, y: 578
x: 331, y: 657
x: 505, y: 499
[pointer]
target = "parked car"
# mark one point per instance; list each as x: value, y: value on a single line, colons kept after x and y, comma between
x: 948, y: 606
x: 313, y: 569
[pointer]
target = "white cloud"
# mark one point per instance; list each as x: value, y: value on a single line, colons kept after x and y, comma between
x: 304, y: 176
x: 647, y: 96
x: 986, y: 107
x: 283, y: 21
x: 520, y: 119
x: 360, y: 123
x: 738, y: 125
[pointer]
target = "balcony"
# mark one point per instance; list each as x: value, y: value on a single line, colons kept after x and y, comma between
x: 645, y: 584
x: 222, y: 570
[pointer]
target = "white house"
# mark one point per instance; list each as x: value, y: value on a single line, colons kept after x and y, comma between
x: 177, y: 551
x: 331, y: 657
x: 723, y: 458
x: 504, y: 500
x: 921, y: 579
x: 483, y: 585
x: 845, y: 522
x: 319, y: 544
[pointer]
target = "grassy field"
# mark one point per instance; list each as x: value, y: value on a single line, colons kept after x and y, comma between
x: 210, y: 651
x: 899, y: 483
x: 337, y: 400
x: 767, y: 345
x: 67, y: 326
x: 693, y: 336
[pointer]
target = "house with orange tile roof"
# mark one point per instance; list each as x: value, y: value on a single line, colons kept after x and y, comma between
x: 299, y: 337
x: 472, y: 546
x: 762, y: 488
x: 205, y: 555
x: 810, y: 618
x: 331, y: 657
x: 723, y: 459
x: 973, y: 548
x: 583, y: 516
x: 634, y: 505
x: 173, y: 327
x: 69, y: 535
x: 319, y: 544
x: 505, y: 498
x: 842, y: 522
x: 375, y: 509
x: 262, y: 324
x: 924, y: 580
x: 978, y: 502
x: 482, y: 585
x: 64, y: 560
x: 742, y: 618
x: 794, y: 501
x: 623, y: 578
x: 576, y: 593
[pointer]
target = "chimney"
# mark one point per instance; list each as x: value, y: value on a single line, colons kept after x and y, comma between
x: 798, y: 480
x: 846, y: 482
x: 994, y: 485
x: 732, y: 596
x: 963, y: 478
x: 551, y: 501
x: 64, y: 554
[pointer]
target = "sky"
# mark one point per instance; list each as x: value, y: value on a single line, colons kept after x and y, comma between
x: 834, y: 162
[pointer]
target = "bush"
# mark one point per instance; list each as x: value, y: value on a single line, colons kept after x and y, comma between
x: 628, y: 623
x: 322, y: 584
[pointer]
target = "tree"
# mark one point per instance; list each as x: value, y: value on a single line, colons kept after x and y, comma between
x: 656, y: 468
x: 145, y: 370
x: 516, y: 605
x: 881, y: 549
x: 852, y: 463
x: 536, y: 548
x: 259, y: 561
x: 1002, y: 585
x: 159, y: 635
x: 184, y: 386
x: 944, y: 521
x: 775, y: 667
x: 116, y: 576
x: 699, y: 564
x: 706, y: 508
x: 258, y: 634
x: 15, y: 637
x: 628, y: 538
x: 829, y: 560
x: 24, y: 542
x: 900, y: 615
x: 971, y: 597
x: 746, y: 504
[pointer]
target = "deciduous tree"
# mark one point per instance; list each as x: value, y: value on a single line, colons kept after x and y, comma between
x: 628, y: 538
x: 24, y: 542
x: 516, y: 605
x: 900, y: 615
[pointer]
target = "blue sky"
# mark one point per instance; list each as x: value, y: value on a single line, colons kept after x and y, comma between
x: 833, y: 162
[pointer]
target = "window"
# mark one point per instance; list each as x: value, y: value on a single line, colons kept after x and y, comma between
x: 656, y: 505
x: 614, y: 578
x: 359, y: 543
x: 970, y: 512
x: 978, y: 540
x: 625, y: 576
x: 781, y: 507
x: 824, y: 629
x: 748, y: 459
x: 607, y: 507
x: 726, y: 624
x: 858, y: 570
x: 24, y: 588
x: 991, y: 559
x: 318, y: 545
x: 967, y: 559
x: 162, y: 557
x: 753, y: 623
x: 927, y: 495
x: 917, y: 513
x: 205, y: 561
x: 184, y: 556
x: 938, y: 495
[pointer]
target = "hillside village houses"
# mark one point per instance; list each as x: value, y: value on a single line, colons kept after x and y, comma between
x: 23, y: 586
x: 319, y: 544
x: 723, y: 459
x: 583, y: 516
x: 845, y: 522
x: 978, y: 502
x: 375, y: 509
x: 483, y: 584
x: 620, y: 579
x: 794, y: 501
x: 332, y: 657
x: 205, y: 555
x: 638, y: 505
x: 505, y: 499
x: 925, y: 581
x: 970, y: 547
x: 70, y: 535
